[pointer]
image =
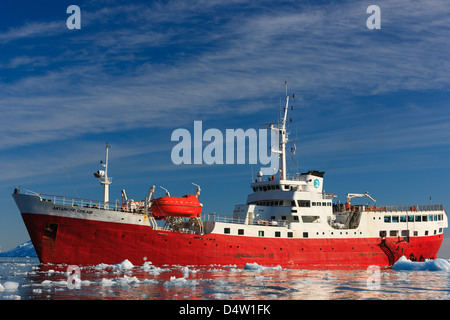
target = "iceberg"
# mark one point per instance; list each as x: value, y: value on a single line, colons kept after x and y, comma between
x: 24, y: 250
x: 124, y: 265
x: 257, y: 267
x: 11, y: 285
x: 180, y: 282
x: 403, y: 264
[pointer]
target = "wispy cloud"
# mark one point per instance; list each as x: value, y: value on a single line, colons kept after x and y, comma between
x: 32, y: 29
x: 164, y: 65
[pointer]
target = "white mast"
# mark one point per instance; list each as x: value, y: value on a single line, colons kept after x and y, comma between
x: 105, y: 180
x: 283, y: 139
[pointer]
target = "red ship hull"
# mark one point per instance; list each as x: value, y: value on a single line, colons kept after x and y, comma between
x: 89, y: 242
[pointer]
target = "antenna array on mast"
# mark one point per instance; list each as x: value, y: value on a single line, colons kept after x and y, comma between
x: 103, y: 176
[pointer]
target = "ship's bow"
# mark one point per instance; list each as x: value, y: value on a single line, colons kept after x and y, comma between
x: 31, y: 209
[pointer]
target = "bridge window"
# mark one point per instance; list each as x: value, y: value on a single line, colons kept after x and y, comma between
x: 310, y: 219
x: 387, y: 218
x: 304, y: 203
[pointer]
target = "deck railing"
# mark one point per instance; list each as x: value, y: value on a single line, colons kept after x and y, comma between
x: 76, y: 202
x: 84, y: 203
x: 435, y: 207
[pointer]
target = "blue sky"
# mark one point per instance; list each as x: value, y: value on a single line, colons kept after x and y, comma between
x: 371, y: 106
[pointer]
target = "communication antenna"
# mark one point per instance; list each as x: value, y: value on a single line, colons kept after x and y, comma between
x: 70, y: 180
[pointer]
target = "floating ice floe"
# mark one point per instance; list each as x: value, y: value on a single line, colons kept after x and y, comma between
x: 403, y: 264
x: 125, y: 281
x: 151, y: 269
x: 63, y: 283
x: 257, y: 267
x: 124, y: 265
x: 9, y: 286
x: 180, y: 282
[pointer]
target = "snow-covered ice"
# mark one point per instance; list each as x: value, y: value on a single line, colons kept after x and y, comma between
x: 180, y: 282
x: 403, y: 264
x: 124, y: 265
x: 257, y: 267
x: 10, y: 286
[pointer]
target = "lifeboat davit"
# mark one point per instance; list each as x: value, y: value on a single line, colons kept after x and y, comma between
x: 186, y: 206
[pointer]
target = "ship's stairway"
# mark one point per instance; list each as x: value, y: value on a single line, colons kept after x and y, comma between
x: 390, y: 250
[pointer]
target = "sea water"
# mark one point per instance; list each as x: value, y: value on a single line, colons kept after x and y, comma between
x: 27, y: 279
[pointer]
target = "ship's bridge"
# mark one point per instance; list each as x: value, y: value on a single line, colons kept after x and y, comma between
x: 273, y: 189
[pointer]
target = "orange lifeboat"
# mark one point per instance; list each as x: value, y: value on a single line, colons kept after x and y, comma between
x: 186, y: 206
